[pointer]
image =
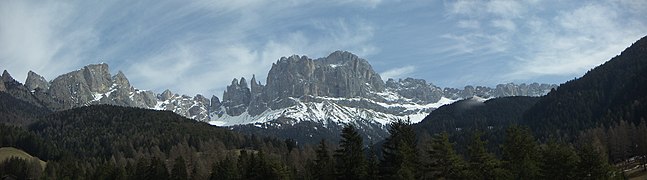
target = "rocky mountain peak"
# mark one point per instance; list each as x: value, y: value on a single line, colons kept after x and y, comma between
x: 341, y: 57
x: 242, y: 83
x: 416, y: 89
x: 291, y: 59
x: 255, y: 86
x: 237, y: 97
x: 80, y: 87
x: 341, y: 74
x: 201, y: 99
x: 6, y: 77
x: 166, y: 95
x: 234, y: 82
x: 121, y: 80
x: 215, y: 105
x: 2, y: 86
x: 36, y: 81
x: 97, y: 77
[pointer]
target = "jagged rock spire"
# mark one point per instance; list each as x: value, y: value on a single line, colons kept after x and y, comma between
x: 35, y: 81
x: 6, y: 77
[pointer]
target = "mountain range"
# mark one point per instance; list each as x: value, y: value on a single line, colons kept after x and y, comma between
x: 331, y: 91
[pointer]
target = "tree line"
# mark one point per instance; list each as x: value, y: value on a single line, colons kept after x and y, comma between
x: 405, y: 157
x: 109, y: 142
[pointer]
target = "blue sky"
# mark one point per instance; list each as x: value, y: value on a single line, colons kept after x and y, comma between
x: 200, y: 46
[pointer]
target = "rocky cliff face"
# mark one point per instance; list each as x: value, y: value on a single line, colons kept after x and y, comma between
x: 93, y: 84
x: 2, y: 87
x: 341, y: 74
x: 10, y: 86
x: 501, y: 90
x: 35, y: 81
x: 196, y: 107
x: 2, y: 81
x: 417, y: 89
x: 78, y: 88
x: 338, y: 89
x: 236, y: 98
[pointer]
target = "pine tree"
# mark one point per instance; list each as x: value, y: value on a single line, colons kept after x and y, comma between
x: 158, y: 169
x: 141, y: 169
x: 399, y: 151
x: 641, y: 142
x: 558, y: 161
x: 324, y: 167
x: 592, y: 164
x: 520, y: 153
x: 351, y: 163
x: 179, y: 169
x: 290, y: 144
x: 373, y: 170
x: 444, y: 163
x: 482, y: 164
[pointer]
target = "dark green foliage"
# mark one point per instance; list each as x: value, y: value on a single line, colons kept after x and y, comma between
x: 399, y: 152
x: 225, y: 170
x: 29, y: 142
x: 482, y: 164
x: 472, y: 114
x: 520, y: 154
x: 179, y: 169
x: 593, y: 164
x: 17, y: 112
x: 307, y: 132
x: 256, y: 165
x: 108, y: 170
x: 324, y: 164
x: 350, y: 158
x: 291, y: 144
x: 151, y: 169
x: 461, y: 119
x: 640, y: 139
x: 558, y: 161
x: 99, y: 142
x: 443, y: 162
x: 100, y: 131
x: 373, y: 164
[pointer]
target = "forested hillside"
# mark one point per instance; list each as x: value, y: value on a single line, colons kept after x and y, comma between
x: 476, y: 114
x: 610, y: 93
x: 17, y: 112
x: 108, y: 142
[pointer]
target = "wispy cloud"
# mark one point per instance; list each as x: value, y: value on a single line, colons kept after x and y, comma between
x: 505, y: 24
x: 32, y: 38
x: 396, y: 73
x: 211, y: 61
x: 575, y: 41
x: 199, y: 46
x: 471, y: 14
x: 473, y: 24
x: 566, y: 41
x: 188, y: 47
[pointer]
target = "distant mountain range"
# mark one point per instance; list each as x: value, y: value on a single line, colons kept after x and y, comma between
x: 340, y: 88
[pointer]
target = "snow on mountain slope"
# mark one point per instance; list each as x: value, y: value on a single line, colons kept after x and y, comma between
x: 325, y: 109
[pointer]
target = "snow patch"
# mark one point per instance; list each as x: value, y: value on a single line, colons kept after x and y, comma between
x: 329, y: 110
